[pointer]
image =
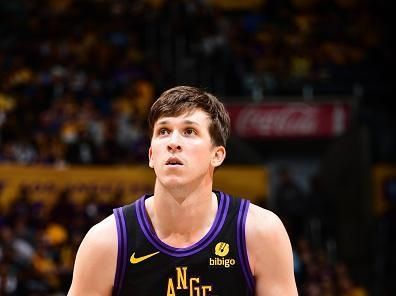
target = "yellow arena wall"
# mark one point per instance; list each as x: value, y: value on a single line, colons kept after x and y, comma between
x: 45, y: 183
x: 383, y: 175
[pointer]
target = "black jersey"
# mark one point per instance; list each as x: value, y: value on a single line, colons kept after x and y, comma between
x: 217, y: 265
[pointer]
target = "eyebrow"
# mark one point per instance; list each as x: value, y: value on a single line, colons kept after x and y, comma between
x: 188, y: 122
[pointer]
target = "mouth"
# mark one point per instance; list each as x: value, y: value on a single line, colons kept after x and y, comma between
x: 173, y: 161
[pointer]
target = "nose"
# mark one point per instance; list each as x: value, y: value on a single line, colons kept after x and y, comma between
x: 174, y: 142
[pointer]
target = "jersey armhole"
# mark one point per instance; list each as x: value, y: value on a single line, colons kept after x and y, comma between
x: 121, y: 250
x: 241, y: 242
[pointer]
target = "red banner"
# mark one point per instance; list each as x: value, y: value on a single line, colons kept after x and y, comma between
x: 289, y: 120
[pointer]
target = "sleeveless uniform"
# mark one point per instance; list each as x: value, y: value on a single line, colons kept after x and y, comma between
x: 217, y: 265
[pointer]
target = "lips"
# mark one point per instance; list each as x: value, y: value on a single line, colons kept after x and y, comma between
x: 173, y: 161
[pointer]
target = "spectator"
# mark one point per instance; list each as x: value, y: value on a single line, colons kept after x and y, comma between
x: 290, y: 204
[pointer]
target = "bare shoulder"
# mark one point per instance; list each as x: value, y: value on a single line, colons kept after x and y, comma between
x: 101, y: 238
x: 100, y: 234
x: 269, y: 252
x: 263, y: 222
x: 265, y: 233
x: 95, y: 264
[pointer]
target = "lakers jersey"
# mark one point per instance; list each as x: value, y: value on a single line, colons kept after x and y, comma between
x: 217, y: 265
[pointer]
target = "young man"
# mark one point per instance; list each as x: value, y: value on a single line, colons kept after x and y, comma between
x: 186, y: 239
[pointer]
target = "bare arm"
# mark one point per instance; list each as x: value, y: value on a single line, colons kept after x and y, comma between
x: 95, y: 265
x: 270, y: 254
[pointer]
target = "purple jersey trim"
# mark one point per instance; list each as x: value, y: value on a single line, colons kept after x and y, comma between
x: 149, y: 233
x: 122, y: 249
x: 241, y: 241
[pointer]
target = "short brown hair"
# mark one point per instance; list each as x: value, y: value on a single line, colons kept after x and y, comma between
x: 182, y: 99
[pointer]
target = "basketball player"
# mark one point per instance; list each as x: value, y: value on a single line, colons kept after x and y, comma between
x: 186, y: 239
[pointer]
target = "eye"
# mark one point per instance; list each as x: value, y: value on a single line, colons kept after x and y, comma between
x: 163, y: 131
x: 190, y: 131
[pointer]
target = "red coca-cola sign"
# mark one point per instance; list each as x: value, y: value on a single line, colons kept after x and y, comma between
x: 289, y: 120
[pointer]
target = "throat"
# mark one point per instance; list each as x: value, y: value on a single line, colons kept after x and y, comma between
x: 182, y: 225
x: 178, y: 240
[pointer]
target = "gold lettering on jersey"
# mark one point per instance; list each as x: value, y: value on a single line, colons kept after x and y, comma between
x: 221, y: 262
x: 221, y: 250
x: 181, y: 278
x: 171, y: 289
x: 185, y: 283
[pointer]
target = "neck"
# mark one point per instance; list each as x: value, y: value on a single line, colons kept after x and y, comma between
x: 182, y: 217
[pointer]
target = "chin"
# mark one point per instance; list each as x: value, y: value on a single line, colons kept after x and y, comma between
x: 173, y: 182
x: 178, y: 182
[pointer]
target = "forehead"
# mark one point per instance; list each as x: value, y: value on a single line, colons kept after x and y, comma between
x: 196, y: 117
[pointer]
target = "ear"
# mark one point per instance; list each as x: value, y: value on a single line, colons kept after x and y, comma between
x: 150, y: 156
x: 218, y: 156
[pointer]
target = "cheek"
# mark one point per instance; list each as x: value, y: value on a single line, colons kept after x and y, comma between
x: 154, y: 153
x: 202, y: 154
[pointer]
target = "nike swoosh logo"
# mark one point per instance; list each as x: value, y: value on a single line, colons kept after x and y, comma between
x: 135, y: 260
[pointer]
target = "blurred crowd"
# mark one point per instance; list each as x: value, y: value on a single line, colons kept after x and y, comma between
x: 309, y: 220
x: 318, y: 275
x: 38, y: 242
x: 78, y: 77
